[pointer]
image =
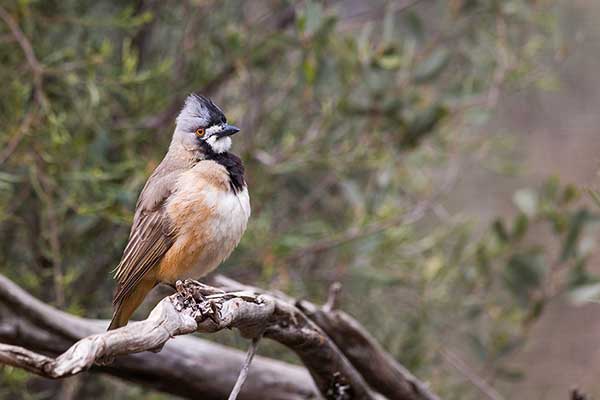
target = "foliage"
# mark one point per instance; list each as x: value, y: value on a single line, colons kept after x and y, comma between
x: 353, y: 122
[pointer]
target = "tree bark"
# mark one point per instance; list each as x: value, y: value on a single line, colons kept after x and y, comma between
x: 187, y: 366
x: 380, y: 370
x: 344, y: 361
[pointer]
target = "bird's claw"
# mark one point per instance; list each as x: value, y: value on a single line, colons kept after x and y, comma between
x: 199, y: 289
x: 205, y: 301
x: 208, y: 308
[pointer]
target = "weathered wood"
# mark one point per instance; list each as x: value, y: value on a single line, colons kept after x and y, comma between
x: 379, y: 369
x: 189, y: 311
x: 187, y: 366
x: 342, y: 358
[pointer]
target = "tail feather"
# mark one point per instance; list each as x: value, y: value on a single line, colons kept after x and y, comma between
x: 125, y: 308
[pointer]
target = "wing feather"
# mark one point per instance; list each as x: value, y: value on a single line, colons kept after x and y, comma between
x: 151, y: 234
x: 143, y: 252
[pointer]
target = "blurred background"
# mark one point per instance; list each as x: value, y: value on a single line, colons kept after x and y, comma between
x: 438, y: 158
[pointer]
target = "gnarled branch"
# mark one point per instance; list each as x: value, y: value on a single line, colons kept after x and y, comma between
x: 330, y: 351
x: 380, y: 370
x: 187, y: 366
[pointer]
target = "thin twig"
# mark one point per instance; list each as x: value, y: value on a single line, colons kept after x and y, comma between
x: 356, y: 233
x: 471, y: 375
x: 332, y: 297
x: 577, y: 395
x: 36, y: 68
x: 504, y: 64
x: 245, y: 368
x: 16, y: 139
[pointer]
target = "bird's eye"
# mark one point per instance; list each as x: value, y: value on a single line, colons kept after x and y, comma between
x: 200, y: 132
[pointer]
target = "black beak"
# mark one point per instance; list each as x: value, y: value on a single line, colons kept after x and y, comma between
x: 228, y: 130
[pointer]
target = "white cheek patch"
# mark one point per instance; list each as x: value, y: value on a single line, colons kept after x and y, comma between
x: 213, y: 129
x: 219, y: 145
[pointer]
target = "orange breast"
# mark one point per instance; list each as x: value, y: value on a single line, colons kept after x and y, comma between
x: 210, y: 219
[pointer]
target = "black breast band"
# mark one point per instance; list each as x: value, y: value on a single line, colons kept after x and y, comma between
x: 231, y: 162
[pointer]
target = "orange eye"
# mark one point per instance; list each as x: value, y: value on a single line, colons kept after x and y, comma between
x: 200, y: 132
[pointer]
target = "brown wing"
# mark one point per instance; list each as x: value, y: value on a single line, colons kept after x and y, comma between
x: 151, y: 234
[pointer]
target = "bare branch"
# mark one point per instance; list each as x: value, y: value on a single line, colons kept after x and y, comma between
x: 332, y: 297
x: 18, y: 136
x: 189, y: 311
x: 485, y: 388
x: 342, y: 358
x: 356, y: 233
x: 245, y: 368
x: 577, y: 395
x: 35, y: 66
x: 172, y: 317
x: 379, y: 369
x: 187, y: 366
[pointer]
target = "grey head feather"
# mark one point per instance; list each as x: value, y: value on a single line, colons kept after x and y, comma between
x: 199, y: 112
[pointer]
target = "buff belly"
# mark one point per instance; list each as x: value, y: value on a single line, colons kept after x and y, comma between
x: 211, y: 218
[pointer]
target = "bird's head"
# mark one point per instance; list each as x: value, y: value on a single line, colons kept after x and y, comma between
x: 202, y: 126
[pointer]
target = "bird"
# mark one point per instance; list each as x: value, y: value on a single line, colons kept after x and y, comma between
x: 190, y: 214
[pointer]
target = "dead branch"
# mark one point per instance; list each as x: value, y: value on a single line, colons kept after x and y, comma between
x: 381, y: 371
x: 172, y: 317
x: 189, y: 311
x: 245, y: 368
x: 577, y: 395
x: 18, y: 136
x: 479, y: 382
x: 340, y: 355
x: 36, y: 68
x: 187, y: 366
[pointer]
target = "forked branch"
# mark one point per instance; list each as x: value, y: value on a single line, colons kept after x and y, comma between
x: 329, y: 348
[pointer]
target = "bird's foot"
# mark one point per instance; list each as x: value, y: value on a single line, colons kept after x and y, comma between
x: 197, y: 288
x: 186, y: 293
x: 209, y: 309
x: 199, y: 297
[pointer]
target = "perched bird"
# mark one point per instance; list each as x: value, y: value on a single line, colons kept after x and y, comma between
x: 191, y: 213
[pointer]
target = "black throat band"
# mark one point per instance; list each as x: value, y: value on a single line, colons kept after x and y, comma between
x: 231, y: 162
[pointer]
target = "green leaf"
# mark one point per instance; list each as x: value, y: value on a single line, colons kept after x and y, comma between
x: 415, y: 25
x: 570, y: 193
x: 578, y: 274
x: 500, y: 230
x: 576, y: 225
x: 527, y: 201
x: 9, y: 178
x: 389, y: 26
x: 523, y: 273
x: 423, y: 124
x: 309, y: 67
x: 595, y: 196
x: 478, y: 346
x: 389, y: 61
x: 510, y: 374
x: 585, y: 294
x: 311, y: 19
x: 520, y: 227
x: 432, y: 66
x: 535, y: 310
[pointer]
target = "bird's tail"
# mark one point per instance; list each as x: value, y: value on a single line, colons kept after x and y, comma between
x: 129, y: 304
